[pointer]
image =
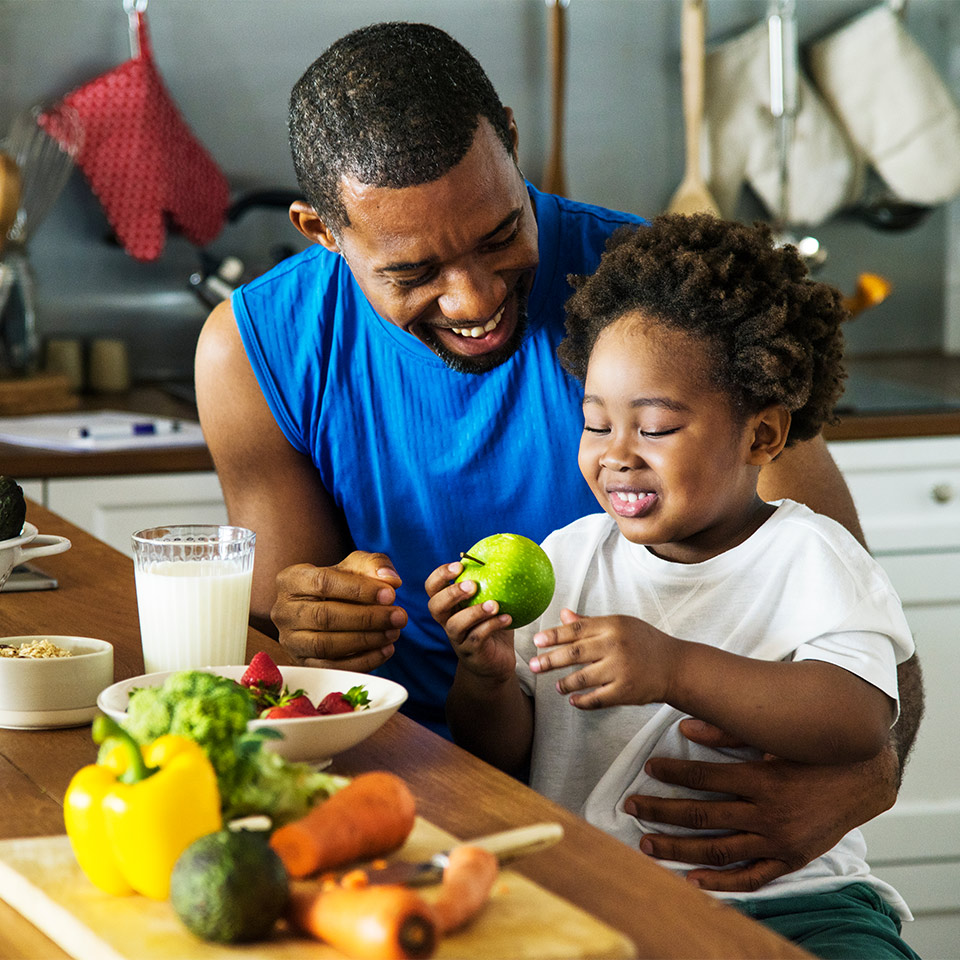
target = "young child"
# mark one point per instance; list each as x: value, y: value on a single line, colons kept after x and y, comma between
x: 704, y: 350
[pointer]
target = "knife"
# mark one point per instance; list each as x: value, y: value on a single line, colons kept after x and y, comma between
x: 506, y: 846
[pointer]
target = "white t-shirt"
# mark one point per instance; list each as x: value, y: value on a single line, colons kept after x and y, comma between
x: 801, y: 587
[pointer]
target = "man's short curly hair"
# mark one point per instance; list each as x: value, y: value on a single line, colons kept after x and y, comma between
x: 391, y: 104
x: 772, y: 333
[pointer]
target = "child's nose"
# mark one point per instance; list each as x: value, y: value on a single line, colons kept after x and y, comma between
x: 619, y: 455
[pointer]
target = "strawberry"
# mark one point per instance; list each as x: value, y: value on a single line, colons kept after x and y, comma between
x: 299, y: 706
x: 262, y: 673
x: 344, y: 702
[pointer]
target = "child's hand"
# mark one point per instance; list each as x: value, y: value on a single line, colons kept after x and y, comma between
x: 626, y: 660
x: 479, y: 635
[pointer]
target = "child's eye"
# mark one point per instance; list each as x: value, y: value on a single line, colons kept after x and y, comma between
x: 658, y: 433
x: 589, y: 429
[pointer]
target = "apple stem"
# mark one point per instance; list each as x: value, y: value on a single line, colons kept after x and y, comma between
x: 466, y: 556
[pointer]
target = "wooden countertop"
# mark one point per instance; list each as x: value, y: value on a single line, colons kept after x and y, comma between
x: 662, y: 915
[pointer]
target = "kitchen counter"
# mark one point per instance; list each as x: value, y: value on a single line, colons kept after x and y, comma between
x: 662, y: 915
x: 34, y: 462
x: 911, y: 396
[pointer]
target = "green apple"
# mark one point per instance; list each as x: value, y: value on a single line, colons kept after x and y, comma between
x: 512, y: 570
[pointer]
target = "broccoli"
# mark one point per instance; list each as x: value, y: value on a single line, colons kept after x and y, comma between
x: 201, y: 706
x: 214, y: 712
x: 267, y: 783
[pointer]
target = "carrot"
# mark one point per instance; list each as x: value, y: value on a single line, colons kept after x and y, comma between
x: 467, y: 882
x: 371, y: 816
x: 388, y: 922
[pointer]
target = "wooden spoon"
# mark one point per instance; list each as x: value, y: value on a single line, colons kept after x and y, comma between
x: 554, y: 180
x: 9, y: 194
x: 692, y: 196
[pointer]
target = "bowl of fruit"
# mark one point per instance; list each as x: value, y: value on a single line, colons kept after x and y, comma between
x: 317, y: 712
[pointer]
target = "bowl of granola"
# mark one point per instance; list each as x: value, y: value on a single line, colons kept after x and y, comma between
x: 52, y: 681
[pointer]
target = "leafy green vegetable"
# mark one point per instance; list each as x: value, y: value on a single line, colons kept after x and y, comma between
x: 283, y: 790
x: 214, y: 711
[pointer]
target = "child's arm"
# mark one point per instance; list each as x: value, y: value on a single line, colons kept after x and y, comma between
x: 807, y: 710
x: 487, y: 710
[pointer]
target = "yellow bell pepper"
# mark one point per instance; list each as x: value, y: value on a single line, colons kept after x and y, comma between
x: 131, y: 816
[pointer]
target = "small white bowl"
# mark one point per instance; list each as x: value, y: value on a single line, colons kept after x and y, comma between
x: 308, y: 739
x: 28, y: 545
x: 53, y: 691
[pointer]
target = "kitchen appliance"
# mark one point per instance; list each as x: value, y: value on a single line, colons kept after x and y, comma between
x: 9, y: 195
x: 693, y: 196
x: 43, y: 142
x: 218, y: 277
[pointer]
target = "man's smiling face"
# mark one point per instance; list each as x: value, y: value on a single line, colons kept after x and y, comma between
x: 450, y: 261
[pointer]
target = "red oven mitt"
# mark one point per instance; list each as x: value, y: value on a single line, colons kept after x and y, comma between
x: 143, y: 162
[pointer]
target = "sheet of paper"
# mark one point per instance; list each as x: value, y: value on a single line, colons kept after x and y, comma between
x: 99, y: 431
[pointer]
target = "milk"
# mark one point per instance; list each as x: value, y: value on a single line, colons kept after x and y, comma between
x: 193, y: 613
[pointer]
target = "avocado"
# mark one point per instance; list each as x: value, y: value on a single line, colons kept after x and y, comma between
x: 13, y: 508
x: 229, y: 886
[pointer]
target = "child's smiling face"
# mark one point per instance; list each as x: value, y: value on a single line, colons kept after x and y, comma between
x: 663, y: 450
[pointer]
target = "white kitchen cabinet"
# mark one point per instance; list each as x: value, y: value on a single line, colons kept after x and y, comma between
x: 907, y: 493
x: 113, y: 508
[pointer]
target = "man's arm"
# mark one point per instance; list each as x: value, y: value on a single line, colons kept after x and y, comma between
x: 268, y: 486
x: 808, y: 474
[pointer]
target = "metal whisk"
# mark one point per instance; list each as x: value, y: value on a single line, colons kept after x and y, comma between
x: 44, y: 143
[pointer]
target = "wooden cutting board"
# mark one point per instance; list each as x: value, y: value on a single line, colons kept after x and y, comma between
x: 39, y: 393
x: 39, y: 878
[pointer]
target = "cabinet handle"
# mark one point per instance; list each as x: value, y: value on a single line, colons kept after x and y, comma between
x: 942, y: 493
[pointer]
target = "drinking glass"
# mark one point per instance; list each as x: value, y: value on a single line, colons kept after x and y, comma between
x: 193, y: 594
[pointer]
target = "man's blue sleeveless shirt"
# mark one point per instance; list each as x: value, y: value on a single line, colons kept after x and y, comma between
x: 422, y: 461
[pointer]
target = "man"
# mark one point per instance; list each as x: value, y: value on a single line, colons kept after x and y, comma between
x: 370, y: 402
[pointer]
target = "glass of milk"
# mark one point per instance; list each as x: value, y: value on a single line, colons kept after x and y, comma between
x: 193, y: 594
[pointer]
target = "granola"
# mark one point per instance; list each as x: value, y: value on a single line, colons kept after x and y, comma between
x: 34, y: 650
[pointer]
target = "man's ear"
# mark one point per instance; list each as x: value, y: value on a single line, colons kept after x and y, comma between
x: 308, y: 222
x: 514, y: 132
x: 769, y: 434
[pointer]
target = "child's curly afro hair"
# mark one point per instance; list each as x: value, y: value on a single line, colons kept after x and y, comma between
x: 773, y: 333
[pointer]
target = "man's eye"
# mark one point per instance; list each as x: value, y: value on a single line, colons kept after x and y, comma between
x: 417, y: 281
x: 495, y: 245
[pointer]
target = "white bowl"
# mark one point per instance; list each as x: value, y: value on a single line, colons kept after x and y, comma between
x: 54, y: 691
x: 308, y: 739
x: 28, y: 545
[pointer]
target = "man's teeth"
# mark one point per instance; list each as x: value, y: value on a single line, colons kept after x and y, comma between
x: 631, y: 497
x: 479, y: 331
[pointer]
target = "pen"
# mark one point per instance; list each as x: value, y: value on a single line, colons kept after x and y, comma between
x: 118, y: 431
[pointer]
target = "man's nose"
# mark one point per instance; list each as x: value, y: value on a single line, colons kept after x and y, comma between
x: 472, y: 293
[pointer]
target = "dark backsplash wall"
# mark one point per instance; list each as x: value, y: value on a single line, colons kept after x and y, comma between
x: 229, y: 65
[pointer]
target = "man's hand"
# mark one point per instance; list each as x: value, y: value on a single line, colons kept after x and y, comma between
x: 785, y: 814
x: 341, y: 616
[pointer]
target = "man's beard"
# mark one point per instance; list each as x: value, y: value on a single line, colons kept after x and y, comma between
x: 487, y: 361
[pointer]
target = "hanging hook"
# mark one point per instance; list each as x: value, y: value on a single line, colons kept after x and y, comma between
x: 133, y: 9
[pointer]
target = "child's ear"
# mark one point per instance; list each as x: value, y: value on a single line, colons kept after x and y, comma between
x: 770, y: 428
